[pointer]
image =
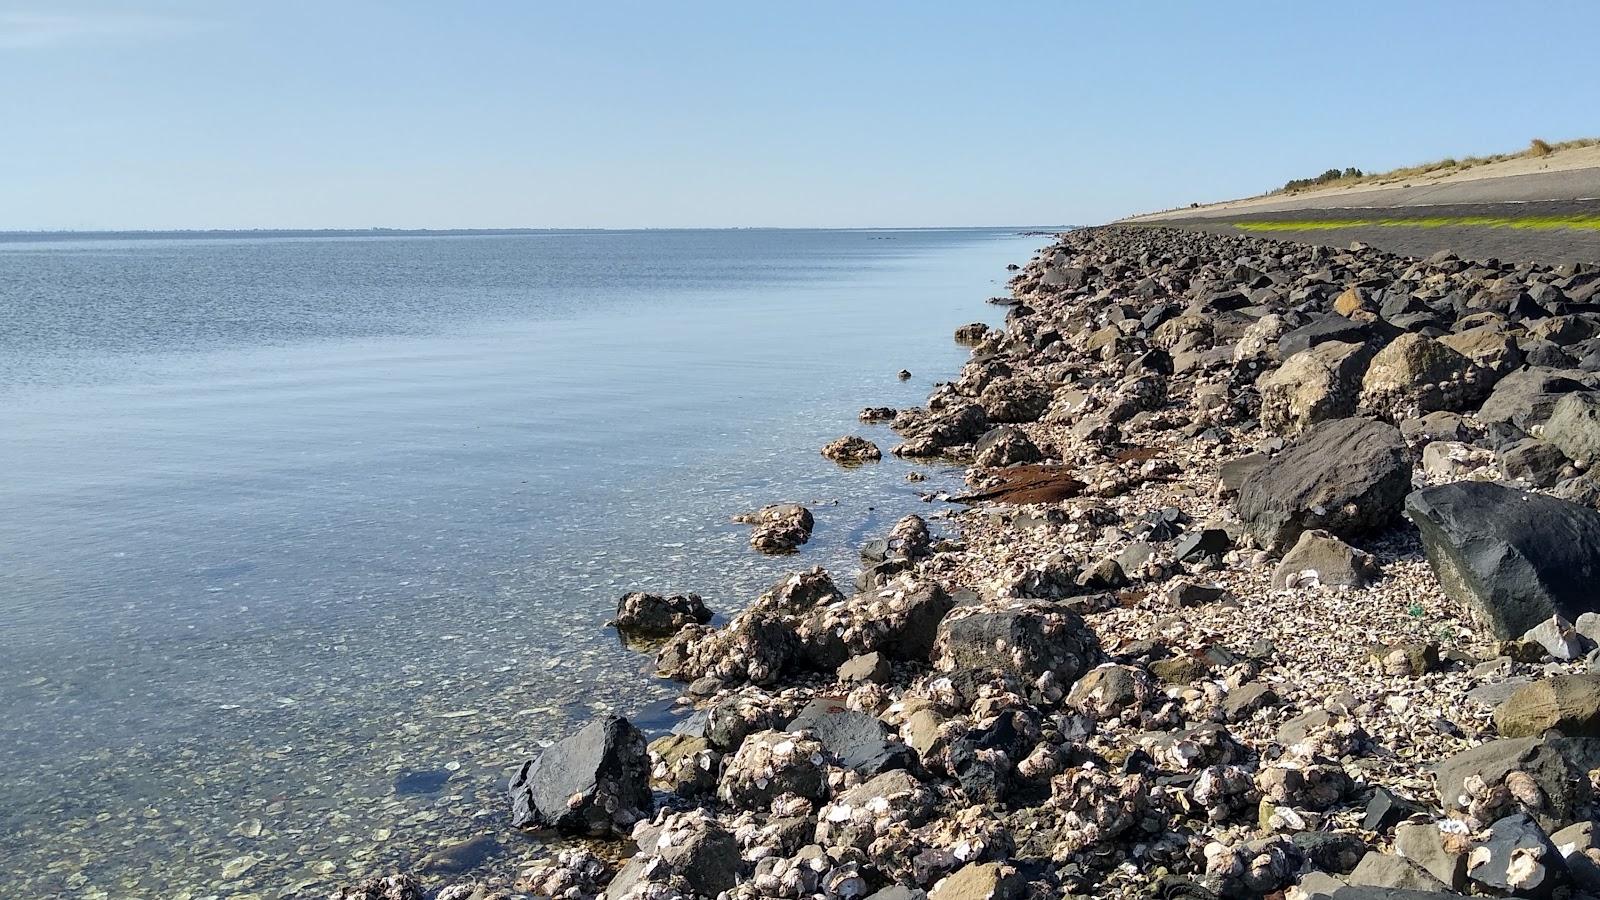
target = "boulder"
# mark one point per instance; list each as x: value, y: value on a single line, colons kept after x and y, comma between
x: 1568, y: 704
x: 1486, y: 345
x: 944, y: 432
x: 1321, y: 331
x: 857, y: 740
x: 1416, y: 374
x: 1516, y: 857
x: 1487, y: 781
x: 1512, y: 558
x: 852, y: 450
x: 981, y: 881
x: 1574, y: 427
x: 685, y: 853
x: 1533, y: 462
x: 595, y: 782
x: 770, y: 764
x: 1346, y: 477
x: 1005, y: 446
x: 683, y: 764
x: 1526, y: 397
x: 1385, y: 871
x: 971, y: 333
x: 1313, y: 386
x: 1424, y: 844
x: 645, y: 615
x: 860, y: 814
x: 1043, y: 644
x: 1319, y: 558
x: 779, y: 528
x: 900, y: 622
x: 1015, y: 400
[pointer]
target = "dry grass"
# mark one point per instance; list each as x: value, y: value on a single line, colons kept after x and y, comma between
x: 1536, y: 148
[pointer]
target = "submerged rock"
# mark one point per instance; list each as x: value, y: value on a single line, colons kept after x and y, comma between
x: 780, y: 528
x: 852, y: 450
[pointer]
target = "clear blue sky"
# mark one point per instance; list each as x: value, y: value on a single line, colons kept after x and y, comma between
x: 343, y: 113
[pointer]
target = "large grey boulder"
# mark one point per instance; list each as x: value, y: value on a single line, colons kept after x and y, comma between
x: 1346, y: 477
x: 1526, y: 397
x: 1512, y: 558
x: 595, y: 782
x: 1313, y: 386
x: 1574, y: 426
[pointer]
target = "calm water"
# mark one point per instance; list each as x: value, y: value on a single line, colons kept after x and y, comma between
x: 288, y: 520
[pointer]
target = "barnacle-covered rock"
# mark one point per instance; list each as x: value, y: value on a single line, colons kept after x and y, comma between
x: 772, y: 763
x: 684, y: 854
x: 779, y: 528
x: 645, y: 615
x: 859, y: 815
x: 1312, y: 785
x: 1097, y: 806
x: 899, y: 621
x: 683, y: 765
x: 1044, y: 645
x: 574, y: 873
x: 1223, y: 792
x: 852, y: 450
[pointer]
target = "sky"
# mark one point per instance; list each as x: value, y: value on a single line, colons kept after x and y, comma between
x: 354, y: 114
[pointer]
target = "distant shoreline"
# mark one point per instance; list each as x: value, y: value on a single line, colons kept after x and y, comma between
x: 230, y: 233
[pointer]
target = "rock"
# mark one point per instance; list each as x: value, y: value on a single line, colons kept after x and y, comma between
x: 646, y: 615
x: 1243, y: 701
x: 780, y: 528
x: 1313, y: 386
x: 981, y: 881
x: 1005, y: 446
x: 1332, y: 851
x: 1415, y: 374
x: 855, y: 739
x: 944, y: 432
x: 1424, y: 844
x: 1527, y: 397
x: 868, y: 667
x: 685, y: 852
x: 1558, y: 638
x: 1322, y: 331
x: 1042, y: 644
x: 1492, y: 779
x: 1346, y: 477
x: 877, y: 413
x: 852, y: 450
x: 1187, y: 593
x: 684, y: 765
x: 901, y: 623
x: 595, y: 782
x: 971, y: 333
x: 772, y: 763
x: 1386, y: 808
x: 1385, y: 871
x: 1511, y: 557
x: 1201, y: 543
x: 1580, y: 846
x: 1533, y: 462
x: 1319, y: 558
x: 903, y: 375
x: 861, y: 814
x: 1015, y: 400
x: 1454, y: 461
x: 1574, y: 427
x: 1487, y: 346
x: 1516, y: 857
x: 1111, y: 690
x: 1568, y: 704
x: 389, y: 887
x: 461, y: 857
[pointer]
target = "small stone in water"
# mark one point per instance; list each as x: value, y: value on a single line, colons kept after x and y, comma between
x: 425, y: 782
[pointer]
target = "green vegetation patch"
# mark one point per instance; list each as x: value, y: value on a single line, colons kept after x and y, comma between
x: 1537, y: 223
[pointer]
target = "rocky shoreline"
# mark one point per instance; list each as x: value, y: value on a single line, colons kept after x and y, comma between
x: 1275, y: 581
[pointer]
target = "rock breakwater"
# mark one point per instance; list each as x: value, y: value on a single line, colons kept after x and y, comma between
x: 1259, y: 594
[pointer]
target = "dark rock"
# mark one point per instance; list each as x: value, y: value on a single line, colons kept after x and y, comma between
x: 1513, y: 558
x: 1041, y: 643
x: 852, y: 450
x: 1527, y: 396
x: 645, y: 615
x: 1201, y: 543
x: 1516, y: 857
x: 1347, y: 477
x: 1386, y: 809
x: 1321, y: 331
x: 780, y: 528
x: 859, y: 741
x: 595, y: 782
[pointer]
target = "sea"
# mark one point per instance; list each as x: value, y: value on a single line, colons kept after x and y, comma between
x: 306, y: 540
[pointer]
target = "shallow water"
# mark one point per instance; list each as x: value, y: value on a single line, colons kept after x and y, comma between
x: 306, y: 541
